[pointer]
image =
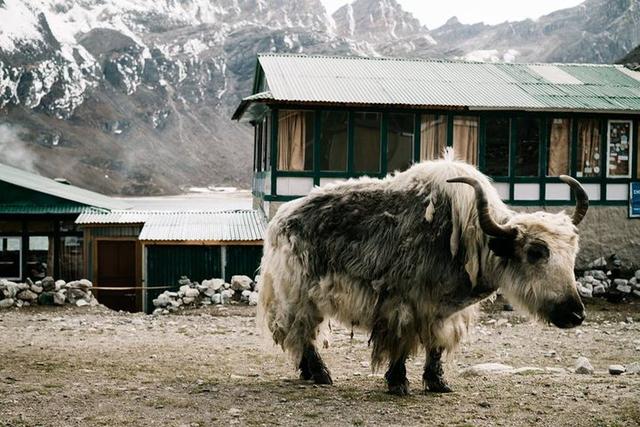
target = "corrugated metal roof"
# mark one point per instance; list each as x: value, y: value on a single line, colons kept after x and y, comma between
x: 54, y: 188
x: 445, y: 83
x: 206, y: 226
x: 42, y: 210
x: 114, y: 217
x: 235, y: 225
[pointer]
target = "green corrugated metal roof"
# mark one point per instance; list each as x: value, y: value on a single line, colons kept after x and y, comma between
x: 42, y: 210
x: 445, y: 83
x: 54, y: 188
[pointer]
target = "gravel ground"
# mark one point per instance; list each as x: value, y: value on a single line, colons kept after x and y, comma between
x: 92, y: 367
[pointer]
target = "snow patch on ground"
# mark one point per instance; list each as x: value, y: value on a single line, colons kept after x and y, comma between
x: 18, y: 25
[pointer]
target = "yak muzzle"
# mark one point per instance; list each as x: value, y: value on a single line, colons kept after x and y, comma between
x: 567, y: 314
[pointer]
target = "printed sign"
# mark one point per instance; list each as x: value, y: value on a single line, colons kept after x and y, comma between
x: 634, y: 200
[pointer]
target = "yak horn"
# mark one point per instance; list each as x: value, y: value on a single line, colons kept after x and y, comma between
x: 582, y: 200
x: 487, y: 224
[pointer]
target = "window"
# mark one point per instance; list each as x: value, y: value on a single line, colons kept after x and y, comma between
x: 70, y: 259
x: 295, y: 140
x: 497, y: 146
x: 257, y: 149
x: 399, y: 142
x: 39, y: 257
x: 333, y: 141
x: 465, y: 138
x: 11, y: 257
x: 366, y: 142
x: 266, y: 144
x: 528, y: 147
x: 559, y: 149
x: 619, y: 148
x: 588, y: 148
x: 433, y: 136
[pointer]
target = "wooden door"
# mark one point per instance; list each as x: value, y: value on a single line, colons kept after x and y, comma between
x: 117, y: 269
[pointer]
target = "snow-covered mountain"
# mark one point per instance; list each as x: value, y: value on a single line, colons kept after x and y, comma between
x: 135, y: 96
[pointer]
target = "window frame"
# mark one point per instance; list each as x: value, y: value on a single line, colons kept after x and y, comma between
x: 630, y: 160
x: 21, y: 255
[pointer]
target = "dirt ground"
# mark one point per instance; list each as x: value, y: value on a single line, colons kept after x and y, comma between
x: 92, y: 367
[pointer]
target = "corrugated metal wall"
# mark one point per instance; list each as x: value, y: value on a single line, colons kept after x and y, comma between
x: 242, y: 260
x: 166, y: 263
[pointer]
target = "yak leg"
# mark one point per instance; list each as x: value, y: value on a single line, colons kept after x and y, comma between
x: 396, y: 377
x: 312, y: 367
x: 433, y: 376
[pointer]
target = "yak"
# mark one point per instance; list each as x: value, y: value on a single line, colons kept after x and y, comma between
x: 408, y: 258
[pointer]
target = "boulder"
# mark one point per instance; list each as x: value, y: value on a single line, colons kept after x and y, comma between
x: 216, y: 284
x: 216, y: 299
x: 22, y: 286
x: 46, y: 298
x: 184, y: 280
x: 157, y: 312
x: 85, y: 284
x: 584, y: 290
x: 7, y: 302
x: 487, y: 369
x: 35, y: 288
x: 82, y: 303
x: 184, y: 289
x: 48, y: 284
x: 244, y: 296
x: 583, y: 366
x: 60, y: 284
x: 598, y: 274
x: 599, y: 289
x: 637, y: 275
x: 191, y: 293
x: 227, y: 285
x: 27, y: 295
x: 241, y: 283
x: 616, y: 369
x: 162, y: 300
x: 623, y: 288
x: 598, y: 263
x: 227, y: 295
x: 210, y: 292
x: 253, y: 298
x: 188, y: 300
x: 59, y: 298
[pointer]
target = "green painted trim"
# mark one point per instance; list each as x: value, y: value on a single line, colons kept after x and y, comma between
x: 450, y: 129
x: 350, y: 143
x: 544, y: 137
x: 513, y: 138
x: 417, y: 123
x: 273, y: 155
x: 317, y: 132
x: 384, y: 143
x: 636, y: 146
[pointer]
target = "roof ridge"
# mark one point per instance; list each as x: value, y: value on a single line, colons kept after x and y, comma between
x: 440, y: 60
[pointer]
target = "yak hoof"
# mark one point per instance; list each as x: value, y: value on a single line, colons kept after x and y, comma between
x: 439, y: 386
x: 322, y: 377
x: 401, y: 389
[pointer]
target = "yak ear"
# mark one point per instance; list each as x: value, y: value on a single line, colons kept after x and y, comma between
x: 505, y: 248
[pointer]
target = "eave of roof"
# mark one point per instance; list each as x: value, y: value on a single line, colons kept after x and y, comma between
x: 54, y: 188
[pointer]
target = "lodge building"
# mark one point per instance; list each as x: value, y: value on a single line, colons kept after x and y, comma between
x: 321, y: 119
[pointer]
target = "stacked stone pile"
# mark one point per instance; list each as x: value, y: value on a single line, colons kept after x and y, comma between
x: 603, y: 280
x: 46, y: 292
x: 213, y: 291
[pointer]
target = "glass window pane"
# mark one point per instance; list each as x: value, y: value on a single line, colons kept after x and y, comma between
x: 588, y: 148
x: 527, y: 147
x: 496, y: 159
x: 71, y: 255
x: 10, y: 257
x: 366, y: 141
x: 619, y: 148
x: 399, y: 142
x: 295, y: 140
x: 465, y: 139
x: 433, y: 136
x: 559, y: 150
x: 39, y: 257
x: 333, y: 141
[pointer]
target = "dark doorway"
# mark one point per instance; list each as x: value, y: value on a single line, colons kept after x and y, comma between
x: 117, y: 269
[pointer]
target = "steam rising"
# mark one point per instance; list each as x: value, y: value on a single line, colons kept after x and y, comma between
x: 13, y: 151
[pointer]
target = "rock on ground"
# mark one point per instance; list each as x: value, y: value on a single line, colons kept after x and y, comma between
x: 583, y: 366
x: 616, y: 369
x: 487, y: 369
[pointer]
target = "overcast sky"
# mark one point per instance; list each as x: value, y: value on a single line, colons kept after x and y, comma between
x: 434, y: 13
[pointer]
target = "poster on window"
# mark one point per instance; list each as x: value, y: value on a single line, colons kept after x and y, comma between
x: 634, y: 200
x: 619, y: 143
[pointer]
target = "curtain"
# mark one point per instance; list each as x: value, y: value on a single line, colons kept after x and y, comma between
x: 433, y: 136
x: 588, y: 148
x: 465, y: 139
x: 291, y: 136
x: 559, y: 146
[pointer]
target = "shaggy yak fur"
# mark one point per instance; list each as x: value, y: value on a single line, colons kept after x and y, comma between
x: 406, y: 259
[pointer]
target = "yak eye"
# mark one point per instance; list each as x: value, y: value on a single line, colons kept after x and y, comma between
x: 536, y: 252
